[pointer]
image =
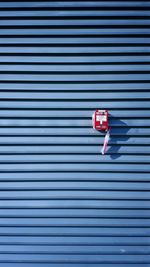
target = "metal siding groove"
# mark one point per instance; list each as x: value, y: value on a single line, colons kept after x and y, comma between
x: 61, y: 202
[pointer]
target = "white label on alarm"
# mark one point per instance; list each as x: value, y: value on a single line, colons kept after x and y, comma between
x: 101, y: 118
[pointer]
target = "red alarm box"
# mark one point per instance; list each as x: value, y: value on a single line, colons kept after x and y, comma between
x: 100, y: 120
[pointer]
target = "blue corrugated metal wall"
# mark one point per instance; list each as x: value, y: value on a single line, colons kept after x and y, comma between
x: 62, y: 203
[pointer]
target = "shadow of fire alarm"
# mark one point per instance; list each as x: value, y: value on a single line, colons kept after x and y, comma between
x: 118, y: 136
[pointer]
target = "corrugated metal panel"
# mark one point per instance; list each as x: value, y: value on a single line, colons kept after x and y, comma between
x: 61, y: 202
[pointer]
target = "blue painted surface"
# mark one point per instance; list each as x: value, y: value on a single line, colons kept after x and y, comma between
x: 61, y: 202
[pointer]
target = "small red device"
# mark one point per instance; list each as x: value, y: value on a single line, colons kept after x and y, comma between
x: 100, y: 120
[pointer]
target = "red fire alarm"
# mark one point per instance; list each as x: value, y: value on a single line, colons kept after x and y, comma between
x: 100, y: 120
x: 100, y: 123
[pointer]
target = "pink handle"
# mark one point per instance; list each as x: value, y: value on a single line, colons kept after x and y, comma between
x: 106, y: 140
